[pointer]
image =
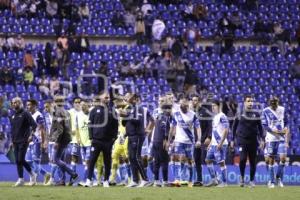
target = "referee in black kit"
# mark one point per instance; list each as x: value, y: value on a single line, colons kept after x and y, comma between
x: 134, y: 117
x: 247, y: 128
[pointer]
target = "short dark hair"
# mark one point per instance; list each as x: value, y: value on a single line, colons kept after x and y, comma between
x: 76, y: 98
x: 250, y: 96
x: 216, y: 101
x: 33, y: 102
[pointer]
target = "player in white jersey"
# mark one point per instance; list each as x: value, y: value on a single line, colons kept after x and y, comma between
x: 216, y: 150
x: 183, y: 125
x: 275, y: 123
x: 77, y: 117
x: 37, y: 143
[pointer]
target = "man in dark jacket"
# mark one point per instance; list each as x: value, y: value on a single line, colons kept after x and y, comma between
x: 60, y: 133
x: 22, y: 125
x: 135, y: 117
x: 204, y: 115
x: 247, y: 128
x: 103, y: 131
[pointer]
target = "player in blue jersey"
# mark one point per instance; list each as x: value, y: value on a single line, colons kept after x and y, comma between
x: 183, y: 125
x: 217, y: 148
x: 275, y: 123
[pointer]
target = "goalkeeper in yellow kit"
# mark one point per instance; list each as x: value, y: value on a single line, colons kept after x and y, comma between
x: 120, y: 152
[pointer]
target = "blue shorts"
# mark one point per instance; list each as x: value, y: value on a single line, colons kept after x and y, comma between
x: 75, y: 149
x: 33, y: 152
x: 85, y: 153
x: 214, y: 154
x: 51, y: 152
x: 183, y: 149
x: 275, y: 148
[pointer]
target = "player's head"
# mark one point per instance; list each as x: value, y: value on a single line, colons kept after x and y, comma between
x: 59, y: 100
x: 248, y: 102
x: 161, y: 101
x: 85, y: 107
x: 215, y: 104
x: 131, y: 98
x: 195, y: 101
x: 48, y: 106
x: 105, y: 98
x: 31, y: 105
x: 76, y: 103
x: 274, y: 102
x: 167, y: 106
x: 184, y: 104
x: 170, y: 97
x: 17, y: 103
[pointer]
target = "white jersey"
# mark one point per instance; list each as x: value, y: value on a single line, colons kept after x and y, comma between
x: 273, y: 120
x: 40, y: 121
x: 219, y: 124
x: 77, y: 122
x: 185, y: 124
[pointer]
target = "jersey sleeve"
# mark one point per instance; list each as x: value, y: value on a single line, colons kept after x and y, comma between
x: 40, y: 120
x: 264, y: 121
x: 173, y: 121
x: 224, y: 121
x: 196, y: 122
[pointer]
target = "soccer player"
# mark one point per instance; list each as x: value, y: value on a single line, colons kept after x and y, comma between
x: 103, y: 131
x: 48, y: 112
x: 217, y: 148
x: 60, y: 134
x: 21, y: 125
x: 204, y: 115
x: 184, y: 123
x: 135, y: 130
x: 77, y: 116
x: 275, y: 123
x: 38, y: 141
x: 120, y: 151
x: 85, y: 142
x: 159, y: 145
x: 247, y: 128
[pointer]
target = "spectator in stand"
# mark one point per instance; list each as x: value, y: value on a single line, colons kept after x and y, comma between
x: 298, y: 35
x: 10, y: 42
x: 84, y: 11
x: 54, y: 86
x: 4, y: 4
x: 4, y: 44
x: 224, y: 24
x: 229, y: 109
x: 28, y: 60
x: 19, y: 43
x: 6, y: 76
x: 188, y: 11
x: 87, y: 72
x: 83, y: 43
x: 19, y: 77
x: 176, y: 48
x: 191, y: 79
x: 129, y: 19
x: 191, y: 37
x: 235, y: 22
x: 281, y: 37
x: 4, y: 106
x: 146, y: 8
x: 41, y: 69
x: 158, y: 28
x: 118, y: 19
x: 51, y: 8
x: 251, y: 5
x: 20, y: 9
x: 102, y: 70
x: 140, y: 29
x: 124, y: 69
x: 262, y: 31
x: 28, y: 76
x: 43, y: 85
x: 63, y: 54
x: 180, y: 74
x: 200, y: 12
x: 48, y: 57
x: 32, y: 9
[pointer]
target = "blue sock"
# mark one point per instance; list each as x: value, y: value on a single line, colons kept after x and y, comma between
x: 53, y: 170
x: 280, y: 171
x: 191, y: 173
x: 73, y: 166
x: 122, y: 171
x: 271, y: 174
x: 85, y: 173
x: 95, y: 175
x: 151, y: 164
x: 211, y: 170
x: 172, y: 167
x: 224, y: 174
x: 182, y: 171
x: 177, y: 170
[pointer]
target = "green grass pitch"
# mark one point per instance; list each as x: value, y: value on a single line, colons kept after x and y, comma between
x: 7, y: 192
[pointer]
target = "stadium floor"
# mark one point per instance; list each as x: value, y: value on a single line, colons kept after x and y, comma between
x: 184, y: 193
